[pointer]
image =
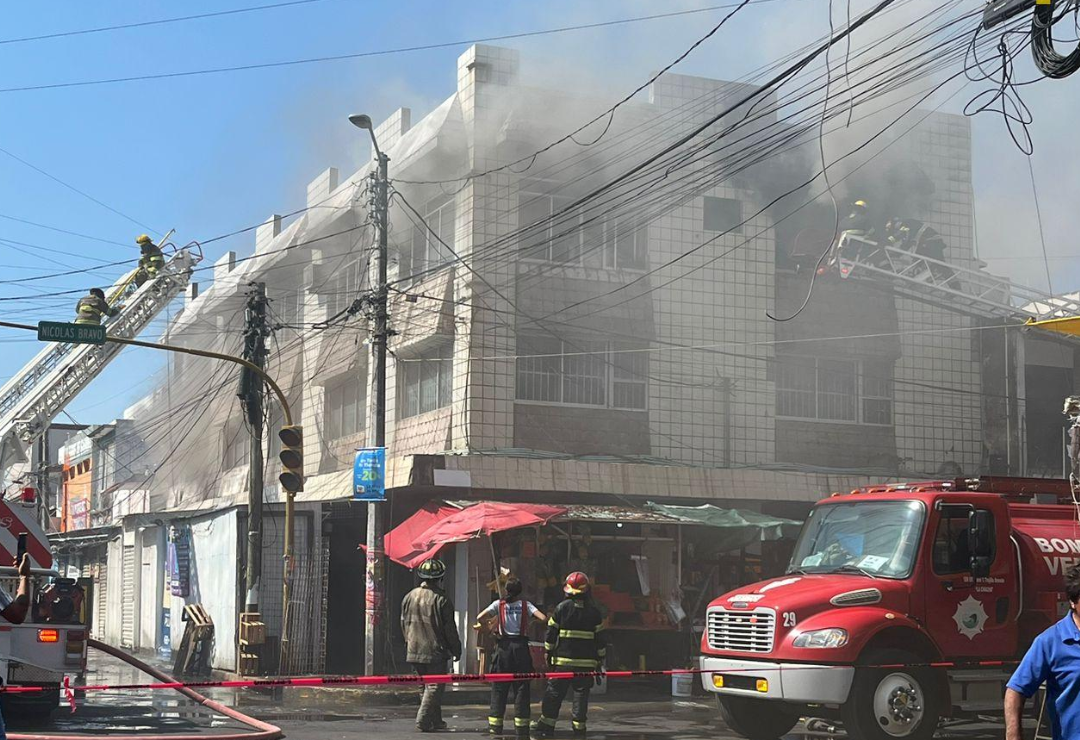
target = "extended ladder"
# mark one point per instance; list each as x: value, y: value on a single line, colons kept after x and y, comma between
x: 33, y: 397
x: 974, y: 292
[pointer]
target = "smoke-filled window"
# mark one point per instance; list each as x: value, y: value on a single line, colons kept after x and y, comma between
x: 582, y: 373
x: 345, y: 406
x: 627, y: 245
x: 723, y: 215
x: 835, y: 390
x: 342, y: 288
x: 425, y: 381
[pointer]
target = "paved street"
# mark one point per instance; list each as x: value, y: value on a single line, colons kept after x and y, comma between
x: 310, y: 714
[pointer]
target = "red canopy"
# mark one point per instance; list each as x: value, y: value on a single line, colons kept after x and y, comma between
x: 398, y: 542
x: 446, y: 525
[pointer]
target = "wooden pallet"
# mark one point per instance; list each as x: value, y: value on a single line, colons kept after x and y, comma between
x: 193, y: 656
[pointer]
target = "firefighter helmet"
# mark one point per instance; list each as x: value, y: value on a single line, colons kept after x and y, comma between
x: 431, y: 569
x: 860, y: 204
x: 98, y: 292
x: 143, y: 239
x: 576, y: 583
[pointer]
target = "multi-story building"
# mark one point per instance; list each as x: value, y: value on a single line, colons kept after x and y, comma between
x: 612, y: 354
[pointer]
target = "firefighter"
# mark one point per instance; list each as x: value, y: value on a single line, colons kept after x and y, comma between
x: 151, y: 261
x: 921, y: 240
x: 92, y: 307
x: 431, y: 638
x: 513, y: 616
x: 859, y: 224
x: 575, y: 641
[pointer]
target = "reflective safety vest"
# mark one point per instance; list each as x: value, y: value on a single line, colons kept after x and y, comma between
x: 575, y: 636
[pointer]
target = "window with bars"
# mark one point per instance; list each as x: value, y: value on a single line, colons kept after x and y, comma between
x: 582, y: 373
x: 848, y: 391
x: 433, y: 245
x: 425, y: 382
x: 345, y: 406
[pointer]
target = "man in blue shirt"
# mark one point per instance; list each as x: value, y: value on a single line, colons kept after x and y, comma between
x: 1053, y: 658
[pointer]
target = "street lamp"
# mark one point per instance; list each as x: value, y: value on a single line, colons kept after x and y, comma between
x: 362, y: 120
x: 374, y: 624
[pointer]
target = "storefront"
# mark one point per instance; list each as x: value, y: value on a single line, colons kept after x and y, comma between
x: 653, y: 568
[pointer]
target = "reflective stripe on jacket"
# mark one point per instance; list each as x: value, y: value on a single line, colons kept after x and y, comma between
x: 575, y: 635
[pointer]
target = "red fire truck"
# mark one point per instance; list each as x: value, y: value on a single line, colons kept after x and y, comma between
x: 52, y: 640
x: 885, y: 582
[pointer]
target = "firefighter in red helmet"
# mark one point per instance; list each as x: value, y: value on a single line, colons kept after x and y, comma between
x: 576, y: 642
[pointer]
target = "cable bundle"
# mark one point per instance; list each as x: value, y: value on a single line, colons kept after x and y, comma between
x: 1047, y: 59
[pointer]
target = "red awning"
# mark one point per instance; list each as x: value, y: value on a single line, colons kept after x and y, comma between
x: 398, y: 542
x: 446, y: 525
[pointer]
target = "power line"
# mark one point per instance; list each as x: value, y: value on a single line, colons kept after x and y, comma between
x: 377, y: 53
x: 159, y: 22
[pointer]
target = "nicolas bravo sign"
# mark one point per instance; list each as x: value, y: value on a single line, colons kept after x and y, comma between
x: 56, y: 331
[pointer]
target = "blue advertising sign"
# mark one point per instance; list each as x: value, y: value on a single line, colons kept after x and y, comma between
x: 369, y: 474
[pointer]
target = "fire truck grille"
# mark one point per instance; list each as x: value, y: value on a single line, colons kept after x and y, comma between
x: 744, y: 631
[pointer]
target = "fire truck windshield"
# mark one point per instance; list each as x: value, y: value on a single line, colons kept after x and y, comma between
x: 877, y: 539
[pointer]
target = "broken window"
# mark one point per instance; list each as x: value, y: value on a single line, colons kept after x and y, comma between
x: 723, y: 215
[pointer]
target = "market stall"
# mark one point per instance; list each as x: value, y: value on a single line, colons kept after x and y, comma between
x: 653, y: 568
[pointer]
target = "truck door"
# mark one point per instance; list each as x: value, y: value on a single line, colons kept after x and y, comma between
x: 970, y: 618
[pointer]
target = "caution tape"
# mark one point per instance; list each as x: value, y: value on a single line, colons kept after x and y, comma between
x: 450, y: 678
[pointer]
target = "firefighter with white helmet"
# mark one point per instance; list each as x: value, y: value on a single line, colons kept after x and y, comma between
x: 431, y: 638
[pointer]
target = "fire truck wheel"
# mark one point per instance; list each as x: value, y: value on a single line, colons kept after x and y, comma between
x: 756, y: 719
x: 890, y: 703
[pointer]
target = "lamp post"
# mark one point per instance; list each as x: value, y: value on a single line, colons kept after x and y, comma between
x: 374, y: 621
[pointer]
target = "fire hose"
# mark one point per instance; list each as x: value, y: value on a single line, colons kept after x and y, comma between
x: 262, y: 730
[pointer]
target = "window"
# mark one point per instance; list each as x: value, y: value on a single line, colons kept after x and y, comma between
x: 881, y: 538
x: 877, y: 393
x: 235, y: 440
x: 847, y: 391
x: 723, y: 214
x: 581, y: 373
x: 618, y: 244
x: 952, y: 552
x: 425, y: 382
x: 345, y: 406
x: 342, y: 288
x: 434, y: 245
x: 551, y: 240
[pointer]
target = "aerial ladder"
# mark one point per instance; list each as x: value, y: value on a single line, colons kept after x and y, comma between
x: 40, y: 391
x: 969, y: 291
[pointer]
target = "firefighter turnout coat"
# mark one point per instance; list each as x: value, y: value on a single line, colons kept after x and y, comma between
x: 575, y: 636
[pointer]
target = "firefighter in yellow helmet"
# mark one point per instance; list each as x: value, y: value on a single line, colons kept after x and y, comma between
x: 92, y: 307
x: 151, y: 261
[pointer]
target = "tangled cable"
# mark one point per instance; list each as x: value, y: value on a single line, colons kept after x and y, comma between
x: 1047, y: 59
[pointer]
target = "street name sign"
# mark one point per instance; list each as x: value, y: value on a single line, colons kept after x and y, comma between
x: 58, y: 331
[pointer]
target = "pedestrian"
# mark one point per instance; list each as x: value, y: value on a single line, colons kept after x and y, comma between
x: 513, y: 615
x: 575, y: 641
x: 1053, y: 658
x: 14, y: 610
x: 431, y: 639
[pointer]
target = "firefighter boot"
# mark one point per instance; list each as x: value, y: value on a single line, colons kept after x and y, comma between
x: 495, y: 725
x: 579, y: 728
x: 543, y: 728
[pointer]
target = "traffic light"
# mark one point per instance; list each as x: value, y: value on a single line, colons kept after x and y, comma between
x: 292, y: 458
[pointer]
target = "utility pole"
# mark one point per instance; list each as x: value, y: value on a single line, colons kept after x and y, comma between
x: 251, y: 395
x: 251, y: 398
x: 375, y: 613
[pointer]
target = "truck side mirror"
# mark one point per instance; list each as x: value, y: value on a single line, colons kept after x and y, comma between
x: 981, y: 542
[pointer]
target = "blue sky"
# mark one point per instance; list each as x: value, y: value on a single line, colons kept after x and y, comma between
x: 207, y: 155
